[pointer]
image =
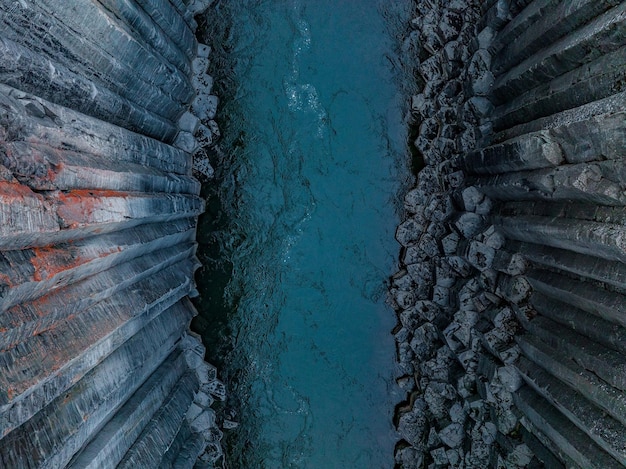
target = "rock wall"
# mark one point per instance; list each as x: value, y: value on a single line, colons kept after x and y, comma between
x: 510, y: 298
x: 98, y: 210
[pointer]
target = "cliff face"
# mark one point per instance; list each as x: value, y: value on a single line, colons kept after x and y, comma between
x: 511, y: 297
x: 98, y: 209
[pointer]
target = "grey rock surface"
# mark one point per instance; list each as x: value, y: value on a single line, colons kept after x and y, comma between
x: 520, y: 361
x: 98, y: 211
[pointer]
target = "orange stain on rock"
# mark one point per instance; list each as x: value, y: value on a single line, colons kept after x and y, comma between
x: 11, y: 393
x: 49, y: 261
x: 88, y: 193
x: 15, y: 190
x: 6, y: 280
x: 77, y: 207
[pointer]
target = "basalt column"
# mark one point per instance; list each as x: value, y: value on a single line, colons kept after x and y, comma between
x: 98, y: 210
x: 511, y: 294
x: 554, y: 167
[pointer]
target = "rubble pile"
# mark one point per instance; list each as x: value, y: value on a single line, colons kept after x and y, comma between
x: 455, y: 335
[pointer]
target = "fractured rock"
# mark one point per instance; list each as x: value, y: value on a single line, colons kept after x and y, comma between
x: 453, y: 435
x: 205, y: 106
x: 409, y: 231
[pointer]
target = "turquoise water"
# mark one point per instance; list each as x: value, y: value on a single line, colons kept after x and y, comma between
x: 315, y: 159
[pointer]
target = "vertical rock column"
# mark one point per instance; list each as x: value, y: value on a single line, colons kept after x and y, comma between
x: 511, y: 293
x: 553, y: 166
x: 98, y: 213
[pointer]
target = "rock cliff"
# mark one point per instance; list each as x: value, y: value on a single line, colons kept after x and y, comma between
x: 98, y: 210
x: 510, y: 296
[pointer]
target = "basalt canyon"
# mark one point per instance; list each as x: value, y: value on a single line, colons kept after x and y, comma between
x: 509, y: 293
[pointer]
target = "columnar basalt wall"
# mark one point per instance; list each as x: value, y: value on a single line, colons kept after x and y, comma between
x: 99, y: 104
x: 511, y: 334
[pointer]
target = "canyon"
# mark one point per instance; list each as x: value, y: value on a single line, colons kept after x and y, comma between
x: 509, y: 296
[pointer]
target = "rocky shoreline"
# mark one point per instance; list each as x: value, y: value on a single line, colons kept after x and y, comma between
x: 449, y: 305
x: 198, y: 134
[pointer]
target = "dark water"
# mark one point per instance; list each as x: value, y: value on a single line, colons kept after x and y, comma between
x: 315, y: 157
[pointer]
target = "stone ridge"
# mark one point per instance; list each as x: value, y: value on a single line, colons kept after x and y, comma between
x: 511, y: 294
x: 103, y: 104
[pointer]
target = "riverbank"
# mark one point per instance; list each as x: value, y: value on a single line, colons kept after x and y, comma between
x: 98, y: 211
x: 500, y: 295
x: 447, y: 245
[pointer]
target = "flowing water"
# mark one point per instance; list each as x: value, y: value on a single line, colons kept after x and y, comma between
x: 315, y: 151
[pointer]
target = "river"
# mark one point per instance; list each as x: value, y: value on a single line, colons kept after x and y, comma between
x: 315, y: 160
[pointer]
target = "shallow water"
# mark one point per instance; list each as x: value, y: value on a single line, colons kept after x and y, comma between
x: 315, y: 161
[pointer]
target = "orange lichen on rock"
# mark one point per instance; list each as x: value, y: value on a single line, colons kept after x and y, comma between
x: 15, y: 190
x: 49, y: 261
x: 79, y: 208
